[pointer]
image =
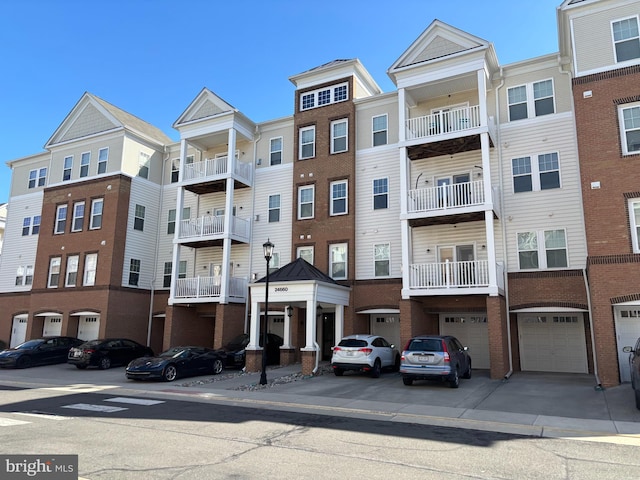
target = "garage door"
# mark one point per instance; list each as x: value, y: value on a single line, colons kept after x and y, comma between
x: 472, y: 332
x: 88, y: 328
x: 18, y: 330
x: 627, y: 333
x: 52, y: 327
x: 387, y: 326
x: 552, y: 343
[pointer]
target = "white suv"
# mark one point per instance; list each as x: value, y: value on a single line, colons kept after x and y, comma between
x: 367, y: 353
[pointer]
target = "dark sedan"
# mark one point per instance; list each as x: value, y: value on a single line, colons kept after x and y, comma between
x: 39, y: 351
x: 235, y: 349
x: 105, y: 353
x: 177, y: 362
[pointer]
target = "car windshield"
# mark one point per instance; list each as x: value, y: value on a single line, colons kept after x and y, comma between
x: 29, y: 344
x: 173, y: 352
x: 352, y: 342
x: 92, y: 343
x: 241, y: 340
x: 426, y: 344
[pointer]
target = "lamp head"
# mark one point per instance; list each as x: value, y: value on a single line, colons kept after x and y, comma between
x: 268, y: 250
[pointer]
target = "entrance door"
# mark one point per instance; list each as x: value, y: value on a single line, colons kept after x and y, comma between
x: 444, y: 185
x: 461, y: 193
x: 465, y: 266
x: 328, y: 334
x: 52, y: 327
x: 446, y: 257
x: 18, y: 331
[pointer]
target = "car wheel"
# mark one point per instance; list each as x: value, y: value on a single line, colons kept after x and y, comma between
x: 407, y: 381
x: 23, y: 362
x: 467, y: 374
x: 637, y: 399
x: 81, y: 367
x: 377, y: 368
x: 105, y: 363
x: 170, y: 373
x: 217, y: 366
x: 338, y: 372
x: 454, y: 379
x: 396, y: 364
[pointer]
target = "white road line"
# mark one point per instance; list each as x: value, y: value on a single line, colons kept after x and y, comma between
x: 46, y: 416
x: 9, y: 422
x: 95, y: 408
x: 81, y: 388
x: 134, y: 401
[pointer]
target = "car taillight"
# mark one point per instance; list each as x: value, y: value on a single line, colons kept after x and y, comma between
x: 366, y: 351
x: 336, y: 349
x: 88, y: 350
x: 447, y: 359
x: 402, y: 358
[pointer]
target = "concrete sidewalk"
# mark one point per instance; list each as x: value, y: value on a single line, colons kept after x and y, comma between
x: 537, y: 404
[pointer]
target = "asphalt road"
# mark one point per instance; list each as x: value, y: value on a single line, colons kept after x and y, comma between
x: 149, y: 436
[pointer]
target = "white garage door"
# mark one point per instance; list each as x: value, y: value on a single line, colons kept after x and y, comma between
x: 387, y: 326
x: 52, y: 327
x: 18, y: 330
x: 552, y: 343
x: 88, y: 328
x: 472, y: 332
x: 627, y: 333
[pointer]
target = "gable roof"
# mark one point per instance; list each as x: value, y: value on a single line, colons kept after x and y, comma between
x: 92, y: 115
x: 296, y: 271
x: 206, y: 104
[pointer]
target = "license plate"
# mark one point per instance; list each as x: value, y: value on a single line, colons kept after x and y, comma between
x: 349, y: 354
x: 425, y: 358
x: 77, y: 354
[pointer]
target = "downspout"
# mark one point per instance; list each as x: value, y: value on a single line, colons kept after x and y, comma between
x: 504, y: 228
x: 247, y: 303
x: 315, y: 340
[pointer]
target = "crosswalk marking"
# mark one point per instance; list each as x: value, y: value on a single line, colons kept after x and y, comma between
x: 9, y: 422
x: 81, y: 388
x: 134, y: 401
x: 95, y: 408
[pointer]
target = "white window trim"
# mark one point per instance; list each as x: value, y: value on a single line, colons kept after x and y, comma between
x: 634, y: 226
x: 75, y: 217
x: 313, y: 201
x: 69, y: 270
x: 346, y: 260
x: 623, y: 131
x: 334, y: 138
x: 105, y: 161
x: 614, y: 42
x: 144, y: 161
x: 52, y: 261
x: 542, y: 250
x: 374, y: 131
x: 85, y: 165
x: 535, y: 172
x: 136, y: 217
x: 388, y: 259
x: 94, y: 215
x: 304, y: 129
x: 306, y: 247
x: 57, y: 230
x: 332, y: 90
x: 270, y: 208
x: 531, y: 101
x: 332, y: 199
x: 65, y: 168
x: 89, y: 268
x: 374, y: 194
x: 281, y: 151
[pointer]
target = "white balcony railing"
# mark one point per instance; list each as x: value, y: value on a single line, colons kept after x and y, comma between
x: 448, y: 121
x: 209, y: 225
x: 216, y: 167
x: 209, y: 287
x: 446, y: 197
x: 449, y: 274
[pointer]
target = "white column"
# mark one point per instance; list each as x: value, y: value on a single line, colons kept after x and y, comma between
x: 287, y: 328
x: 402, y: 108
x: 491, y: 253
x: 486, y: 168
x: 310, y: 328
x: 228, y: 220
x: 254, y: 326
x: 175, y: 258
x: 339, y: 323
x: 482, y: 96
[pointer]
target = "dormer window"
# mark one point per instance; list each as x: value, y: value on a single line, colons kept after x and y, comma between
x: 324, y: 96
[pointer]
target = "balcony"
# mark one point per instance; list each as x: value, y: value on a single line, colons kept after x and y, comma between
x: 446, y: 197
x: 453, y: 277
x: 208, y: 288
x: 205, y: 230
x: 443, y: 122
x: 207, y: 175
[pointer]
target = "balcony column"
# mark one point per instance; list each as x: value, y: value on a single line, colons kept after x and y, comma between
x: 175, y: 258
x: 482, y: 96
x: 491, y: 253
x: 228, y: 220
x: 310, y: 325
x: 402, y: 117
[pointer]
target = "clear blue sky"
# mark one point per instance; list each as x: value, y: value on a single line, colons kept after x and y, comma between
x: 152, y: 57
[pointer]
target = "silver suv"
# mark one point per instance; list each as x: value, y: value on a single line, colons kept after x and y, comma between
x: 435, y: 357
x: 366, y: 353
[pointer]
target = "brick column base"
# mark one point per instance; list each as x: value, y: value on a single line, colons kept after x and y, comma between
x: 287, y: 356
x: 253, y: 360
x: 308, y: 362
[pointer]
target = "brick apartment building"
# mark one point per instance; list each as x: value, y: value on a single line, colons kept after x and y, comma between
x: 477, y: 199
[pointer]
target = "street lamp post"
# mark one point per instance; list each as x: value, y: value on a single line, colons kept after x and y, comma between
x: 268, y: 253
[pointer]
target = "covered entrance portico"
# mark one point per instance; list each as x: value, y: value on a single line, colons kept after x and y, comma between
x: 301, y: 286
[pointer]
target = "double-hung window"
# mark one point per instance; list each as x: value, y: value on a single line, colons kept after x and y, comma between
x: 634, y: 222
x: 26, y: 226
x: 306, y: 202
x: 134, y: 272
x: 379, y: 129
x: 78, y: 217
x: 531, y: 100
x: 626, y: 39
x: 629, y: 120
x: 306, y: 253
x: 274, y: 263
x: 90, y: 265
x: 143, y: 165
x: 85, y: 160
x: 381, y: 259
x: 72, y: 271
x: 24, y: 275
x: 166, y: 277
x: 171, y: 222
x: 37, y: 177
x: 541, y: 174
x: 339, y: 139
x: 307, y: 142
x: 96, y: 214
x: 68, y: 165
x: 35, y: 228
x: 339, y: 198
x: 31, y: 225
x: 61, y: 219
x: 275, y: 151
x: 103, y: 157
x: 138, y: 218
x: 380, y: 193
x: 274, y: 208
x: 542, y: 249
x: 338, y: 261
x: 54, y: 272
x: 175, y: 170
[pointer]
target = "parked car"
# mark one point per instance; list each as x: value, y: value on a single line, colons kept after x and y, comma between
x: 634, y: 368
x: 435, y: 357
x: 177, y: 362
x: 235, y: 349
x: 39, y: 351
x: 365, y: 353
x: 107, y: 352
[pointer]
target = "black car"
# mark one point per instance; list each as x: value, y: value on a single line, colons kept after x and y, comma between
x: 105, y: 353
x: 235, y: 349
x: 177, y: 362
x: 634, y: 368
x: 39, y: 351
